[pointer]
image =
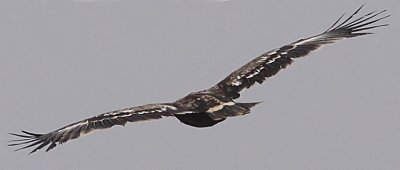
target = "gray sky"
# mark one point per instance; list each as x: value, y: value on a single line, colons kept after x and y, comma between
x: 63, y: 61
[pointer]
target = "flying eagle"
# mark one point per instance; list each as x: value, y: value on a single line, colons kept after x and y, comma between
x: 208, y: 107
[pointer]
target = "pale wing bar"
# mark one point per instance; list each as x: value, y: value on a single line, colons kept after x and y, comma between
x: 103, y: 121
x: 270, y: 63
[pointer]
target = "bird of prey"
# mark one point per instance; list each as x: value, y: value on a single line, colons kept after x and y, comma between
x: 208, y: 107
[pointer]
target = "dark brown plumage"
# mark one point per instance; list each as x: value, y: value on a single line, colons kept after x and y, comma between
x: 208, y: 107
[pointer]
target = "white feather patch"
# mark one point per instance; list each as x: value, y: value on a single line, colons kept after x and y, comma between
x: 219, y: 107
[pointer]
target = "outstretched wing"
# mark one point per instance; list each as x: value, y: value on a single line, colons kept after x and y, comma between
x: 268, y: 64
x: 103, y: 121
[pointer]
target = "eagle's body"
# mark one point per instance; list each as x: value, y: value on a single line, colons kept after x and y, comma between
x: 208, y: 107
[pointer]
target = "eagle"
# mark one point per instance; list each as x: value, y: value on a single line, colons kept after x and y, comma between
x: 209, y: 107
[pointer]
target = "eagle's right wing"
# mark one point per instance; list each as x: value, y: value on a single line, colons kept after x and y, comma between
x: 270, y: 63
x: 103, y: 121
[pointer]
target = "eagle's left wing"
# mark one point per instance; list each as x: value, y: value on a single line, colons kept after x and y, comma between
x: 102, y: 121
x: 268, y: 64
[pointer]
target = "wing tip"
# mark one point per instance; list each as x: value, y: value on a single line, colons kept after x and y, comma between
x: 350, y: 27
x: 30, y: 140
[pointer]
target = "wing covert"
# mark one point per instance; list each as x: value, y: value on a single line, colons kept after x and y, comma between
x: 102, y: 121
x: 270, y: 63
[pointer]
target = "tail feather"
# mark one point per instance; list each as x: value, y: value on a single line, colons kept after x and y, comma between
x: 237, y: 109
x: 248, y: 105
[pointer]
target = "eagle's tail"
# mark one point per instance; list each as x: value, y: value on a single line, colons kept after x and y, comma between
x: 241, y: 108
x: 247, y: 105
x: 237, y: 109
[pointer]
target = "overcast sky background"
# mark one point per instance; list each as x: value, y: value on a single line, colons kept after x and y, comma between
x: 64, y: 61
